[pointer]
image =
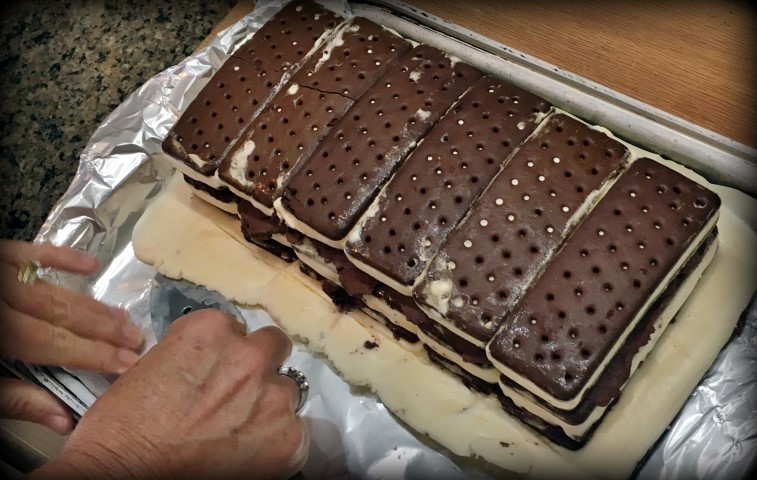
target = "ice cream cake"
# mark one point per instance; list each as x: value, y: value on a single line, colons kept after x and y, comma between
x: 483, y: 229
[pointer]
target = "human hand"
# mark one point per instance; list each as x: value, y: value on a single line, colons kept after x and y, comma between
x: 205, y: 402
x: 50, y: 325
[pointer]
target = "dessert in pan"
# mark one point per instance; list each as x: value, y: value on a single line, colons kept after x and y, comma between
x: 514, y: 245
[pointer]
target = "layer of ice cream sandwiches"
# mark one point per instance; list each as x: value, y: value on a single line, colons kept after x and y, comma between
x: 329, y: 192
x: 304, y: 111
x: 559, y: 338
x: 573, y: 428
x: 440, y: 180
x: 242, y: 86
x: 517, y: 223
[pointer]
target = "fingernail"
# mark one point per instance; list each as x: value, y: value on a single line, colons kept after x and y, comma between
x: 132, y: 334
x: 126, y: 358
x: 119, y: 313
x: 58, y: 424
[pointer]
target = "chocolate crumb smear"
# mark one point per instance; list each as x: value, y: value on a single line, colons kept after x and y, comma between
x: 470, y: 381
x: 331, y: 189
x: 435, y: 186
x: 258, y: 228
x: 221, y: 194
x: 343, y: 301
x: 353, y: 280
x: 588, y: 296
x: 471, y: 353
x: 244, y: 84
x: 301, y: 115
x: 516, y: 224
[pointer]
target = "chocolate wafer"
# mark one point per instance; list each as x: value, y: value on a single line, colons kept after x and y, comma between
x: 442, y: 178
x: 327, y: 194
x: 560, y: 336
x: 244, y: 84
x: 514, y: 227
x: 306, y: 109
x: 573, y: 428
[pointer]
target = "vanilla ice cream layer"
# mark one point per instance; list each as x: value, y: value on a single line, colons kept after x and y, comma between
x: 228, y: 207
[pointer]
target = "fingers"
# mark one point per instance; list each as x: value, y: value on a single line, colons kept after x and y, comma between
x: 32, y: 340
x: 272, y: 343
x: 299, y: 455
x: 16, y: 252
x: 289, y: 385
x: 78, y: 313
x: 21, y: 400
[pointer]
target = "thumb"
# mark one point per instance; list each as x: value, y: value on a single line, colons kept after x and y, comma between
x: 20, y: 400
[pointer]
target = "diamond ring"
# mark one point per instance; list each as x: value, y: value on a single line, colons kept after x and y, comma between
x: 302, y: 383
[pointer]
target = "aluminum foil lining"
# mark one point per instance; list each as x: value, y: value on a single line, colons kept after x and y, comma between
x: 714, y: 435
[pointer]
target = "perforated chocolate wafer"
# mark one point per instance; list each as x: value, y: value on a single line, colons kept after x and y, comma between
x: 306, y: 109
x: 610, y: 270
x: 515, y: 225
x: 443, y: 176
x: 244, y: 83
x: 583, y: 419
x: 336, y: 184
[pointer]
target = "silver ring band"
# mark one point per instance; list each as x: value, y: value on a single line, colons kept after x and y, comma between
x: 302, y: 383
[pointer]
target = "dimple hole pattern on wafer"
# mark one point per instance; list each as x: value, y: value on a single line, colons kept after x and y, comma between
x: 228, y: 112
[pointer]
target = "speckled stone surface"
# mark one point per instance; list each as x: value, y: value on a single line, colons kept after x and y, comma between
x: 64, y: 66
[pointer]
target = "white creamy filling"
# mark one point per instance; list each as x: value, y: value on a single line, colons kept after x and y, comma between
x: 281, y: 238
x: 528, y: 403
x: 395, y: 316
x: 449, y: 325
x: 573, y: 402
x: 302, y: 227
x: 406, y: 290
x: 211, y: 181
x: 336, y: 41
x: 489, y: 375
x: 229, y: 207
x: 266, y: 210
x: 356, y: 231
x: 238, y: 162
x: 315, y: 262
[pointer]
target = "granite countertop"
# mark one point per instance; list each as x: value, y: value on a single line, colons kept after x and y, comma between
x: 64, y: 66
